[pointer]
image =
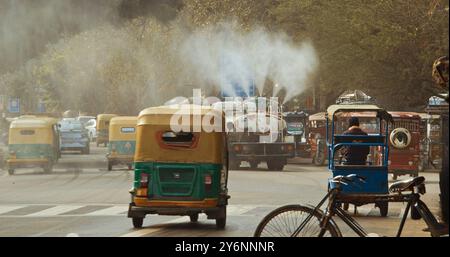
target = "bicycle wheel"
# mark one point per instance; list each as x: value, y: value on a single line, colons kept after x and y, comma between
x: 283, y: 221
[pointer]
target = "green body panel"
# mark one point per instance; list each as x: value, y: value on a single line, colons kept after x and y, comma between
x: 33, y: 151
x: 121, y: 147
x: 179, y: 181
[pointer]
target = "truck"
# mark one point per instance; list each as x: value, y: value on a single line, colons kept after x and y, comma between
x: 248, y: 142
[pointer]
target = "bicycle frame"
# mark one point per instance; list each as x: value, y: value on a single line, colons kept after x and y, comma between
x: 333, y: 208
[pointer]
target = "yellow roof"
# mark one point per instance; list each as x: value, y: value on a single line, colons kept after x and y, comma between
x: 30, y: 123
x: 162, y: 115
x: 124, y: 120
x: 105, y: 116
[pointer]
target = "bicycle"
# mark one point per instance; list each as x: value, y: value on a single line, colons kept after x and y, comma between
x: 306, y: 220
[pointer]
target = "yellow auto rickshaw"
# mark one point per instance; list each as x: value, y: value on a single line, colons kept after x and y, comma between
x: 32, y: 143
x: 103, y: 128
x: 180, y: 171
x: 122, y: 141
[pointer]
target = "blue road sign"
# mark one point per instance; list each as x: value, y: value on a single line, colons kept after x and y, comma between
x: 14, y: 105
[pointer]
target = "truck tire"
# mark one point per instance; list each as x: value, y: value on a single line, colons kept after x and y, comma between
x: 254, y: 164
x: 275, y: 165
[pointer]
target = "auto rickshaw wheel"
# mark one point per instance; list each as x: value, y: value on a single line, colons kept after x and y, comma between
x: 193, y: 217
x: 11, y: 171
x: 384, y: 208
x: 221, y: 221
x: 110, y: 166
x: 138, y: 222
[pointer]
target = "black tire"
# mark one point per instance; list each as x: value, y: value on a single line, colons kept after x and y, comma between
x: 193, y: 217
x: 346, y: 206
x: 384, y: 208
x: 138, y: 222
x: 415, y: 214
x: 275, y: 165
x: 394, y: 176
x: 253, y: 165
x: 110, y: 166
x: 294, y: 215
x: 235, y: 165
x: 221, y: 221
x: 319, y: 159
x: 11, y: 171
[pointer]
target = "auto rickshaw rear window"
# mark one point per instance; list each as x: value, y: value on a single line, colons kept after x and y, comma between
x: 178, y: 137
x: 27, y: 132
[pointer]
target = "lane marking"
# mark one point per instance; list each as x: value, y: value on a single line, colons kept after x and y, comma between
x: 111, y: 211
x: 8, y: 208
x: 148, y: 231
x: 54, y: 211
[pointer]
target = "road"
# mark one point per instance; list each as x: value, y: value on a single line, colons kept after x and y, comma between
x: 82, y: 198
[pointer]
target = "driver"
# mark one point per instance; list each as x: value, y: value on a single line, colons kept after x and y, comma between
x: 355, y: 155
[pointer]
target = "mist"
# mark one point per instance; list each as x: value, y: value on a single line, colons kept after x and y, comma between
x: 224, y: 55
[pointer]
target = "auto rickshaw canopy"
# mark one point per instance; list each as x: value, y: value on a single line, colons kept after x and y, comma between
x: 156, y: 140
x: 122, y: 128
x: 31, y: 131
x: 102, y: 119
x: 318, y: 116
x: 380, y: 113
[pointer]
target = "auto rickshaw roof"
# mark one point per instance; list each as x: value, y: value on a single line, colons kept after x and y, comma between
x: 124, y: 120
x: 318, y: 116
x: 105, y: 116
x: 335, y: 108
x: 30, y: 123
x: 398, y: 114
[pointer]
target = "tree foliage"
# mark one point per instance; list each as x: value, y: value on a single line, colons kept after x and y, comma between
x: 385, y: 48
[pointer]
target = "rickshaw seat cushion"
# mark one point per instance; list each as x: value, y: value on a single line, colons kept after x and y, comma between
x: 406, y: 185
x: 364, y: 139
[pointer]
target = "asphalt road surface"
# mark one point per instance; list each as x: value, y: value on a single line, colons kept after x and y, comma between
x: 82, y: 198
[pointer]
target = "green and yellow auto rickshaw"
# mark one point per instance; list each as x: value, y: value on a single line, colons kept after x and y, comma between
x: 32, y: 143
x: 122, y: 141
x: 103, y: 128
x: 180, y: 170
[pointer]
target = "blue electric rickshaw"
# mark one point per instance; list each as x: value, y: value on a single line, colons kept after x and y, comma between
x: 374, y: 121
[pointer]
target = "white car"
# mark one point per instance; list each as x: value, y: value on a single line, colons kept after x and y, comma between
x: 91, y: 127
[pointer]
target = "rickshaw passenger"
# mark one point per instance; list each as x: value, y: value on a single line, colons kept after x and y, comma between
x: 355, y: 155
